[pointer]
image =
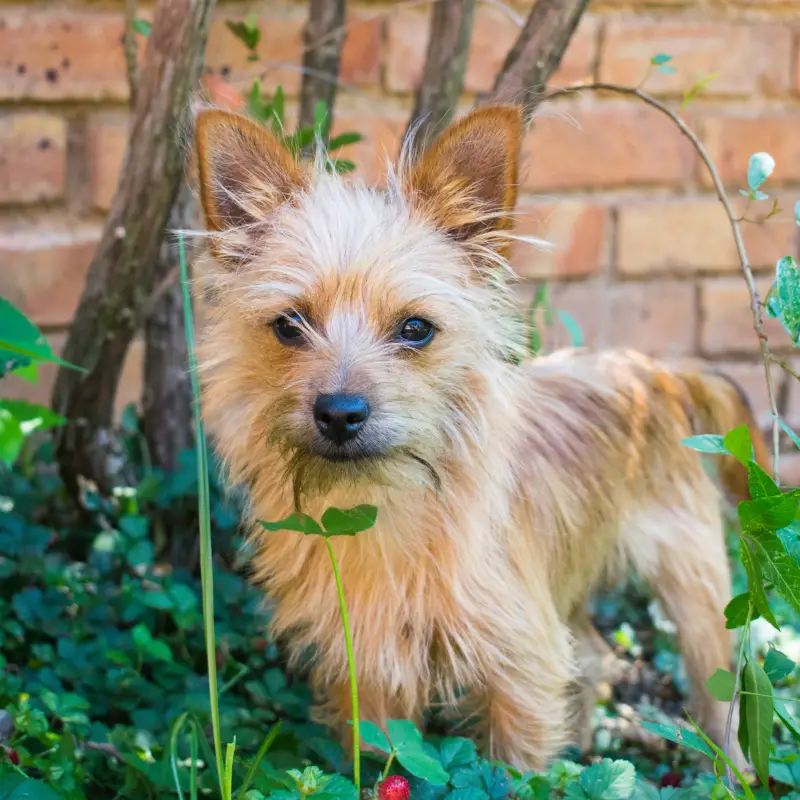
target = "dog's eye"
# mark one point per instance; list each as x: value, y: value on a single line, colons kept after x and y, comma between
x: 416, y: 331
x: 288, y: 329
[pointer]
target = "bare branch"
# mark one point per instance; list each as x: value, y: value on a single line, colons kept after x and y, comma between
x: 323, y: 37
x: 131, y: 47
x: 537, y: 53
x: 445, y: 64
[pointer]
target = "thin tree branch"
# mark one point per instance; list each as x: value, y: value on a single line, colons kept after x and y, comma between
x: 537, y: 53
x: 131, y: 47
x: 784, y: 366
x: 445, y: 65
x: 323, y: 37
x: 755, y: 299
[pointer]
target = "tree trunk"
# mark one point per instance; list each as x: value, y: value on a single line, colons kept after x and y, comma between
x: 167, y: 395
x: 122, y: 271
x: 537, y: 53
x: 323, y: 39
x: 445, y: 65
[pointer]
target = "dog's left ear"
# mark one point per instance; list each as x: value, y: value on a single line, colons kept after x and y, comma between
x: 466, y: 183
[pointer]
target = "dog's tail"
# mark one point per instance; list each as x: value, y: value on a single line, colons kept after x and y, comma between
x: 720, y: 405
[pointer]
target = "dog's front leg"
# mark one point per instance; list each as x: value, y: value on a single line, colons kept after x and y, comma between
x: 528, y: 687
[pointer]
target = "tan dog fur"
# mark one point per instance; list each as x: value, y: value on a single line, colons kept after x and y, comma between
x: 507, y: 493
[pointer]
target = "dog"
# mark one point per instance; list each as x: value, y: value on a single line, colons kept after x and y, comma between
x: 362, y: 347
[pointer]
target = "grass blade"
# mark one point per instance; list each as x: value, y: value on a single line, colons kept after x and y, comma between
x: 262, y: 751
x: 204, y: 512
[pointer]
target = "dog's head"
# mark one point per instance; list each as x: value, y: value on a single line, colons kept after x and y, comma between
x: 357, y: 331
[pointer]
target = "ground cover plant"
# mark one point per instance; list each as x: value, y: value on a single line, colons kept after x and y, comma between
x: 122, y: 676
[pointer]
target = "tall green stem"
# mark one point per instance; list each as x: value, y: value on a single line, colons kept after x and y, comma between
x: 351, y: 665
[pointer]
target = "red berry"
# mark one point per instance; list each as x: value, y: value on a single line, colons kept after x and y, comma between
x: 671, y: 779
x: 13, y: 757
x: 394, y: 788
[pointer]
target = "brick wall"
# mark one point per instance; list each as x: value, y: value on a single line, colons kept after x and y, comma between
x: 643, y: 255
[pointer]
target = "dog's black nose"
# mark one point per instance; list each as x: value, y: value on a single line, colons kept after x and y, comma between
x: 339, y: 417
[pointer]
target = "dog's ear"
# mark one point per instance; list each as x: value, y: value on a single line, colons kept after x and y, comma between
x: 466, y: 183
x: 244, y: 174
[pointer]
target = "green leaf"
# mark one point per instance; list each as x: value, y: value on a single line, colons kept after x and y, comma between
x: 373, y: 736
x: 760, y: 483
x: 141, y: 554
x: 742, y: 735
x: 761, y: 166
x: 736, y: 611
x: 680, y: 736
x: 421, y: 765
x: 467, y: 793
x: 278, y: 111
x: 575, y: 332
x: 141, y: 26
x: 755, y: 583
x: 246, y: 32
x: 342, y: 166
x: 11, y: 437
x: 403, y: 733
x: 770, y: 513
x: 609, y: 780
x: 158, y: 651
x: 343, y: 140
x: 721, y: 685
x: 777, y: 665
x: 32, y: 417
x: 787, y: 430
x: 19, y: 787
x: 659, y: 59
x: 737, y: 443
x: 758, y: 712
x: 301, y: 523
x: 785, y: 297
x: 706, y: 443
x: 321, y: 119
x: 457, y: 752
x: 778, y: 566
x: 338, y: 522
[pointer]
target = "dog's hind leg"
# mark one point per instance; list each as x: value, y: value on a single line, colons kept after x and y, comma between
x: 680, y: 549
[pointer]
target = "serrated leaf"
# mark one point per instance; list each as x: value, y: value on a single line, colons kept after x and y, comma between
x: 761, y: 166
x: 755, y: 583
x: 301, y: 523
x: 768, y: 513
x: 373, y: 736
x: 142, y: 27
x: 778, y: 566
x: 609, y: 780
x: 777, y: 665
x: 339, y: 522
x: 721, y: 685
x: 420, y: 764
x: 758, y: 712
x: 760, y: 483
x: 404, y: 734
x: 736, y: 611
x: 457, y: 752
x: 737, y: 442
x: 706, y: 443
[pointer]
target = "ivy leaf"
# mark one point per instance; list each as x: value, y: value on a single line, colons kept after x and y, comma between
x: 761, y: 166
x: 760, y: 483
x: 141, y: 26
x: 778, y: 566
x: 758, y: 705
x: 755, y: 584
x: 777, y: 665
x: 721, y: 685
x: 736, y: 611
x: 338, y: 522
x: 706, y: 443
x: 373, y: 736
x: 609, y: 780
x: 737, y: 443
x: 301, y: 523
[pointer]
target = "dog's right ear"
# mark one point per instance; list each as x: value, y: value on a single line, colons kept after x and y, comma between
x: 244, y: 175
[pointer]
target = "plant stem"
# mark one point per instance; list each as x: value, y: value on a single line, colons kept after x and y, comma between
x: 388, y: 766
x: 755, y: 300
x: 351, y: 665
x: 204, y: 512
x: 737, y: 681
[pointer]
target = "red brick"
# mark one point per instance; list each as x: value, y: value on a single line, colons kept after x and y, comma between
x: 727, y: 322
x: 361, y: 52
x: 731, y: 139
x: 657, y: 317
x: 44, y: 267
x: 750, y: 58
x: 57, y: 54
x: 280, y: 51
x: 33, y: 157
x: 493, y: 35
x: 382, y: 136
x: 578, y: 231
x: 130, y: 382
x: 684, y: 236
x: 106, y: 141
x: 574, y: 145
x: 749, y: 376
